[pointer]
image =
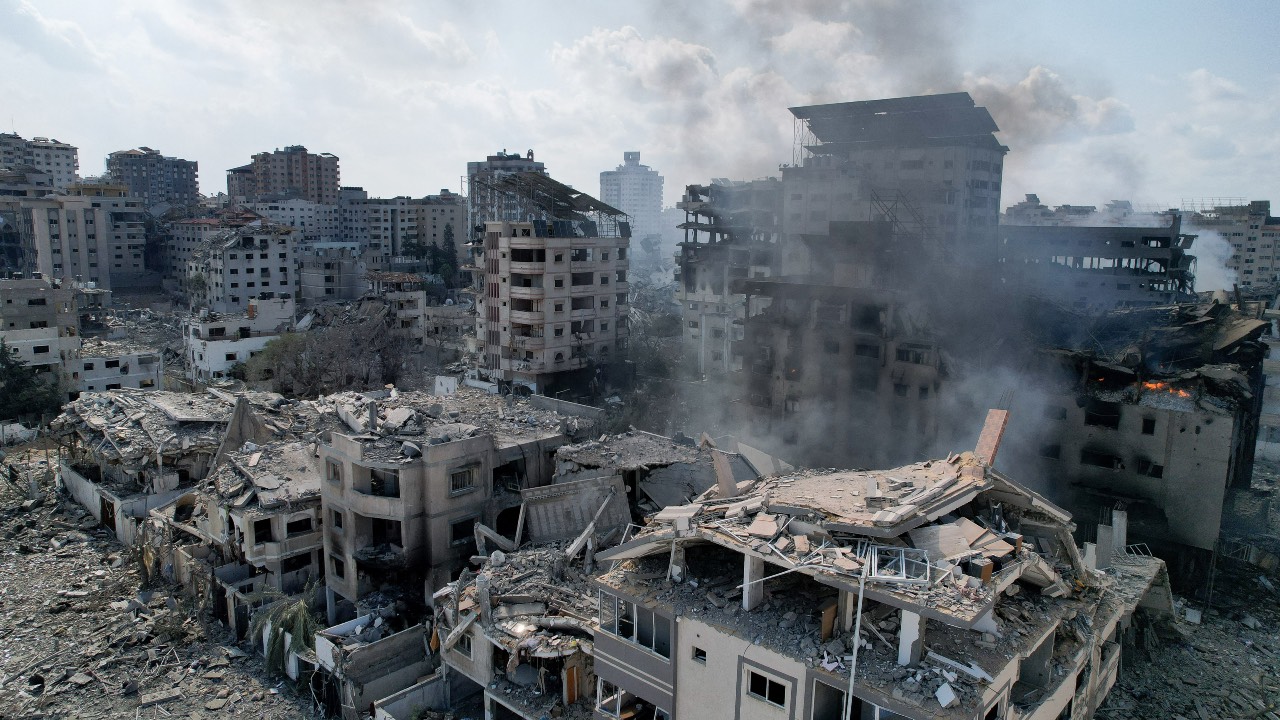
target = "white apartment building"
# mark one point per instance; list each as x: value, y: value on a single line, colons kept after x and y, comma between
x: 214, y: 342
x: 313, y: 221
x: 185, y: 236
x: 383, y: 227
x: 636, y: 190
x: 235, y: 267
x: 60, y: 160
x: 1253, y: 234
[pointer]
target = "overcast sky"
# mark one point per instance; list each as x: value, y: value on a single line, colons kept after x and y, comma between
x: 1153, y: 102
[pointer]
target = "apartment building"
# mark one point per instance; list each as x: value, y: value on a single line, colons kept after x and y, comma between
x: 314, y: 222
x: 1156, y: 409
x: 406, y: 485
x: 387, y: 228
x: 57, y: 159
x: 636, y: 190
x: 291, y: 172
x: 1252, y: 233
x: 126, y: 231
x: 236, y: 266
x: 65, y: 238
x: 330, y: 273
x: 553, y: 309
x: 731, y: 232
x: 942, y: 589
x: 216, y: 341
x: 1099, y: 268
x: 39, y: 321
x: 154, y: 178
x: 486, y: 199
x: 188, y: 234
x: 930, y: 163
x: 99, y: 364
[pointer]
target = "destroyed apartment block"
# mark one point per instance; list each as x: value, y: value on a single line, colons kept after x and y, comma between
x: 411, y: 476
x: 127, y: 452
x: 939, y: 589
x: 659, y: 471
x: 1155, y: 410
x: 519, y: 633
x: 252, y: 530
x: 372, y: 658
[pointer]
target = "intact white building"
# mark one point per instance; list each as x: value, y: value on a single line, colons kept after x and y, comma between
x: 216, y: 341
x: 636, y: 190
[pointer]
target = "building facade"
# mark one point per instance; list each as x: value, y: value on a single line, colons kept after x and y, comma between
x: 213, y: 342
x: 555, y: 291
x: 58, y: 159
x: 237, y: 266
x: 155, y: 178
x: 315, y: 223
x: 636, y: 190
x: 292, y: 172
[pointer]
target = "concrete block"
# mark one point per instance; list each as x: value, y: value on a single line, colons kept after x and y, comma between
x: 946, y: 696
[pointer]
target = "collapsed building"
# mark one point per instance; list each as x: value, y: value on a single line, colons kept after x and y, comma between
x: 658, y: 471
x: 1152, y: 410
x: 731, y: 232
x: 939, y: 589
x: 411, y: 476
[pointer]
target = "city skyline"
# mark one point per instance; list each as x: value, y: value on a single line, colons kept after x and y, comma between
x: 405, y: 95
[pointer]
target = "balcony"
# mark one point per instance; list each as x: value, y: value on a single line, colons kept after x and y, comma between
x: 278, y: 550
x: 529, y: 268
x: 528, y: 342
x: 364, y: 503
x: 527, y: 317
x: 527, y: 293
x: 580, y: 290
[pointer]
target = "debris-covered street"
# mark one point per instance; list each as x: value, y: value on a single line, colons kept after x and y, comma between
x: 82, y: 639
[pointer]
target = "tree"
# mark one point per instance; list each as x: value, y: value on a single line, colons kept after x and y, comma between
x: 23, y: 393
x: 449, y: 256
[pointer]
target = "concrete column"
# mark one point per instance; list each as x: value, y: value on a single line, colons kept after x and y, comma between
x: 482, y: 599
x: 752, y: 585
x: 1106, y: 546
x: 1091, y: 555
x: 331, y: 611
x: 848, y: 606
x: 1120, y: 529
x: 911, y: 638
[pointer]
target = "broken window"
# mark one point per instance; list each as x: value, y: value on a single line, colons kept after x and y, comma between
x: 462, y: 532
x: 461, y: 481
x: 1148, y: 426
x: 866, y: 350
x: 699, y: 655
x: 333, y: 472
x: 262, y: 531
x: 1102, y: 414
x: 339, y: 567
x: 1102, y: 459
x: 337, y: 519
x: 637, y: 625
x: 294, y: 563
x: 1150, y: 469
x: 302, y: 526
x: 384, y: 483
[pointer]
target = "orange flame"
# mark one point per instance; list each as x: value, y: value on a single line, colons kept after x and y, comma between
x: 1148, y: 385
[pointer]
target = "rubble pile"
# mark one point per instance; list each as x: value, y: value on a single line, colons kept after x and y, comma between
x: 82, y: 639
x: 1225, y: 665
x: 420, y: 417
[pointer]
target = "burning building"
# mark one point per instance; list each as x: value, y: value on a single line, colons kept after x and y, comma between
x: 1154, y: 411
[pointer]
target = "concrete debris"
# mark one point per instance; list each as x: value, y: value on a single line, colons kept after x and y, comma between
x: 82, y: 640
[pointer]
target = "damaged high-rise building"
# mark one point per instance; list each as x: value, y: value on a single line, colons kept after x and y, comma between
x: 551, y: 284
